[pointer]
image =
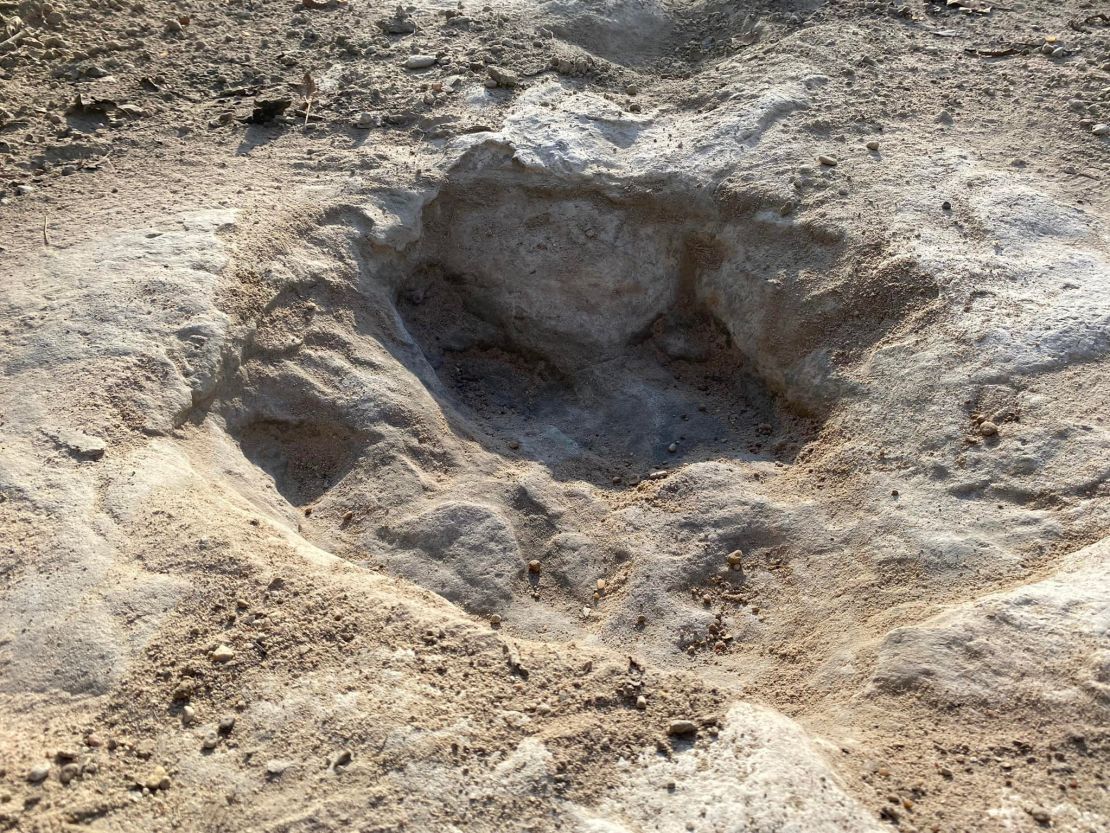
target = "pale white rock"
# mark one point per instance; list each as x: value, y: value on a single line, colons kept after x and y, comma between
x: 1042, y: 643
x: 727, y: 785
x: 419, y: 61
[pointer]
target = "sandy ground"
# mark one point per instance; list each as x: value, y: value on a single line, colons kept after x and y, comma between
x: 626, y: 416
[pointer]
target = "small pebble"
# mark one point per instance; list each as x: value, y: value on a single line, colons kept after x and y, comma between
x: 736, y: 559
x: 641, y: 702
x: 672, y: 448
x: 1101, y: 130
x: 534, y: 567
x: 873, y: 145
x: 828, y: 161
x: 211, y: 741
x: 601, y: 584
x: 156, y: 779
x: 226, y: 725
x: 503, y: 77
x: 419, y: 61
x: 495, y: 620
x: 682, y: 727
x: 276, y: 767
x: 68, y: 773
x: 988, y: 429
x: 223, y: 654
x: 38, y: 772
x: 1039, y: 816
x: 188, y: 715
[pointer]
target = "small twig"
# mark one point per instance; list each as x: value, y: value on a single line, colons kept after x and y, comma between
x: 45, y: 237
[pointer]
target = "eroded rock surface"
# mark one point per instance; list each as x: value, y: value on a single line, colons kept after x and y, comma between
x: 618, y: 463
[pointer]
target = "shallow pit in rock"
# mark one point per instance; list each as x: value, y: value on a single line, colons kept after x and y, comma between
x: 677, y: 392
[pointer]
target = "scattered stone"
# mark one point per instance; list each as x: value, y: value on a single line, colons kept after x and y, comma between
x: 944, y: 117
x: 641, y: 702
x: 1101, y: 130
x: 226, y: 725
x: 184, y: 689
x: 223, y: 654
x: 873, y: 145
x: 400, y: 24
x: 988, y: 428
x: 680, y: 728
x: 419, y: 61
x: 658, y: 475
x: 503, y: 77
x: 495, y: 620
x: 68, y: 773
x: 735, y: 559
x: 367, y: 120
x: 38, y: 772
x: 211, y: 741
x: 534, y: 567
x: 155, y: 778
x: 275, y: 767
x: 24, y: 190
x: 1038, y: 815
x: 78, y: 445
x: 672, y: 448
x: 601, y: 585
x: 188, y: 715
x: 828, y: 161
x: 946, y: 206
x: 268, y: 110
